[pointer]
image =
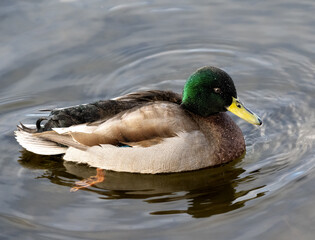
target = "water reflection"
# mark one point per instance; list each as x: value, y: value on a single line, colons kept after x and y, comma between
x: 207, y: 192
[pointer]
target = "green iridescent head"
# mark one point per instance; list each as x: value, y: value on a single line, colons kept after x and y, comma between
x: 210, y: 90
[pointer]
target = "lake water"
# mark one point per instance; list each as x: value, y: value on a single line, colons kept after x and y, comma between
x: 67, y: 52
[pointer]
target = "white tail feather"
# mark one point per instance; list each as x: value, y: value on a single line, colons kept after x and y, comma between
x: 38, y: 145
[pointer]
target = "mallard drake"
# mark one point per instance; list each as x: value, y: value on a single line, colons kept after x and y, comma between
x: 150, y: 131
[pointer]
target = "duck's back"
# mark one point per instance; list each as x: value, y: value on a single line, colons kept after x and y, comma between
x: 105, y: 109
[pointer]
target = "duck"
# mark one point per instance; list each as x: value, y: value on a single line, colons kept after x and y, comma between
x: 148, y: 132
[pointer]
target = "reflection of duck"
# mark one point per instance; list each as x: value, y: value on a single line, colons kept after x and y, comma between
x: 205, y: 192
x: 149, y: 132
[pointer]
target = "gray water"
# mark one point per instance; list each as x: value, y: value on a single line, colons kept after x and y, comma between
x: 67, y: 52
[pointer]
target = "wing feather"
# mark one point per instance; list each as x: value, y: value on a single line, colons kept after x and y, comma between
x: 154, y: 121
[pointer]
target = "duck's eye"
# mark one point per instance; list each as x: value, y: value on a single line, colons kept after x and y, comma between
x: 217, y: 90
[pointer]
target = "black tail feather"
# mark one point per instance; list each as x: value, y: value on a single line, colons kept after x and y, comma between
x: 38, y: 126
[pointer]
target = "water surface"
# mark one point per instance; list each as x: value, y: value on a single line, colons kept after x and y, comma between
x: 67, y: 52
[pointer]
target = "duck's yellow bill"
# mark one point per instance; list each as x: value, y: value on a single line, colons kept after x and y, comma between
x: 241, y: 111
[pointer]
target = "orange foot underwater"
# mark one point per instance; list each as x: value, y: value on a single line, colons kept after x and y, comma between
x: 85, y: 183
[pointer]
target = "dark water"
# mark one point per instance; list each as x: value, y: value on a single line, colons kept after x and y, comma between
x: 61, y: 53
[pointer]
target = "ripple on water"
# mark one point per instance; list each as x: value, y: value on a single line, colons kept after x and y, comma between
x: 164, y: 70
